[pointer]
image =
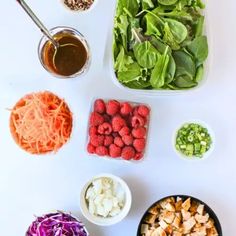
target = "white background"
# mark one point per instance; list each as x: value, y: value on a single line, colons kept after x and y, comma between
x: 31, y: 185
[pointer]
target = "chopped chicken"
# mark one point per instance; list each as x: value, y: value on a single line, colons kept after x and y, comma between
x: 202, y: 219
x: 188, y: 225
x: 186, y: 204
x: 200, y: 209
x: 185, y: 214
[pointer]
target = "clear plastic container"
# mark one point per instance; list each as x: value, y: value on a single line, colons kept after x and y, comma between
x: 109, y: 66
x: 147, y: 126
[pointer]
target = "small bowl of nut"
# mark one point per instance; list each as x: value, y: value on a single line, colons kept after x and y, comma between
x: 179, y: 215
x: 105, y: 200
x: 79, y: 5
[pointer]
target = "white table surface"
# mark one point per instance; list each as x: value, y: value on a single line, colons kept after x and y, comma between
x: 31, y: 185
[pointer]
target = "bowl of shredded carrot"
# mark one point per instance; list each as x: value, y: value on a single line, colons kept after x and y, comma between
x: 41, y: 123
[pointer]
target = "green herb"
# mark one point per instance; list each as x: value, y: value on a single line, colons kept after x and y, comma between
x: 159, y: 44
x: 193, y: 140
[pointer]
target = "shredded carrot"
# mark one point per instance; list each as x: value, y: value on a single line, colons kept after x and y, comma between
x: 41, y: 123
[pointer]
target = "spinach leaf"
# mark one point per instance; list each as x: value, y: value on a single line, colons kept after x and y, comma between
x: 184, y: 81
x: 169, y: 39
x: 122, y: 61
x: 159, y: 45
x: 167, y: 2
x: 147, y: 4
x: 131, y: 5
x: 181, y: 15
x: 133, y: 73
x: 170, y: 71
x: 145, y: 54
x: 152, y: 25
x: 159, y: 72
x: 199, y: 26
x: 199, y: 73
x: 139, y: 84
x: 199, y: 48
x: 178, y: 30
x: 184, y: 64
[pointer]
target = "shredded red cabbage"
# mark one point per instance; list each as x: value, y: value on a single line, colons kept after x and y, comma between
x: 56, y: 224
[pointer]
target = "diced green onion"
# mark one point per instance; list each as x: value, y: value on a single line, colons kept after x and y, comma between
x: 193, y: 140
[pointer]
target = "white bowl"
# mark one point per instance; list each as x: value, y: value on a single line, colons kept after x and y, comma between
x: 194, y: 158
x: 110, y: 220
x: 80, y: 11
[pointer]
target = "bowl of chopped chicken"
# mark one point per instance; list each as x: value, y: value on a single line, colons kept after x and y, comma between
x: 179, y: 215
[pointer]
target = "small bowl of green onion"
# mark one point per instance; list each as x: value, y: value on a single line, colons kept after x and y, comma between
x: 194, y: 140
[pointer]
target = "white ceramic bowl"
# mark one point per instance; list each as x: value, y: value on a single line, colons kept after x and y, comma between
x: 80, y: 11
x: 194, y: 158
x: 109, y: 220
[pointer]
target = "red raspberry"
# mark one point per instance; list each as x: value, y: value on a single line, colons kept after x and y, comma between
x: 128, y: 153
x: 113, y: 107
x: 96, y: 119
x: 92, y: 130
x: 139, y: 144
x: 101, y: 151
x: 108, y: 140
x: 143, y: 110
x: 137, y: 121
x: 126, y: 109
x: 97, y: 140
x: 135, y: 111
x: 105, y: 128
x: 124, y: 131
x: 139, y: 132
x: 118, y: 141
x: 118, y: 123
x: 100, y: 106
x: 138, y: 156
x: 128, y: 139
x: 114, y: 151
x: 90, y: 148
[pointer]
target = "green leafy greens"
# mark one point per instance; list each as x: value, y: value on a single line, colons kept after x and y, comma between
x: 159, y: 44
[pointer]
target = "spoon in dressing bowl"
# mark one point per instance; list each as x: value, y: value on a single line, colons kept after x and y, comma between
x: 43, y: 29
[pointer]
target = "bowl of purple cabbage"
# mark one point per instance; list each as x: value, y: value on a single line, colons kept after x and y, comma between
x: 56, y: 224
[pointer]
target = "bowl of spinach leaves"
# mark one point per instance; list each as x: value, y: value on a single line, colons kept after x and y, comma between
x: 159, y: 46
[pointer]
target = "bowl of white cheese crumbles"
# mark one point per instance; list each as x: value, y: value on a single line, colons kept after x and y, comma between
x: 105, y: 200
x: 118, y: 129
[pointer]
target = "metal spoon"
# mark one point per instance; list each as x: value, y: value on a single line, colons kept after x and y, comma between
x: 43, y: 29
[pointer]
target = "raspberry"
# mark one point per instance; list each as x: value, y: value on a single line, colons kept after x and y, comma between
x: 118, y: 123
x: 114, y: 151
x: 143, y: 110
x: 135, y: 111
x: 139, y: 144
x: 128, y: 153
x: 113, y: 107
x: 101, y: 151
x: 137, y: 121
x: 128, y: 139
x: 95, y: 119
x: 90, y: 148
x: 105, y: 128
x: 99, y: 106
x: 97, y: 140
x: 92, y: 130
x: 108, y: 140
x: 118, y: 141
x: 139, y: 132
x: 126, y: 109
x: 138, y: 156
x: 125, y: 130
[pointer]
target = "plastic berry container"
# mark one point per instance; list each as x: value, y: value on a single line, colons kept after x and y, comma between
x: 121, y: 135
